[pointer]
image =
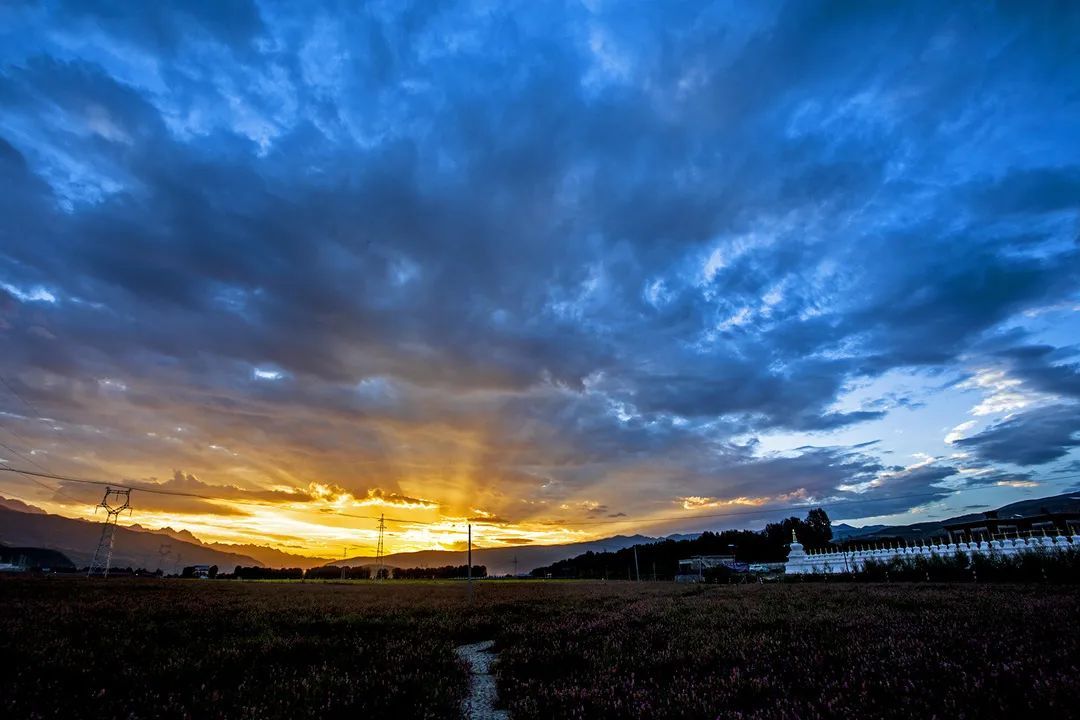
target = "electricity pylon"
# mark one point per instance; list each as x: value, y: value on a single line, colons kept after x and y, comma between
x: 379, y: 548
x: 103, y: 555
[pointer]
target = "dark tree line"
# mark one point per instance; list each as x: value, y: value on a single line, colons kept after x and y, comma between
x: 333, y: 572
x: 262, y: 573
x: 444, y: 572
x: 662, y: 557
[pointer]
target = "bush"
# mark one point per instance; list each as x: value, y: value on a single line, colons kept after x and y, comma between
x: 1061, y: 566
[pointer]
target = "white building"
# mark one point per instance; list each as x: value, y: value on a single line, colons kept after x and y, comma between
x: 800, y: 562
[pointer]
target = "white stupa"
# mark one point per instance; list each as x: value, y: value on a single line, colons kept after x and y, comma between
x: 796, y: 559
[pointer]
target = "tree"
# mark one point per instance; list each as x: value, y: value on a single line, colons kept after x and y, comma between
x: 815, y: 531
x: 819, y: 525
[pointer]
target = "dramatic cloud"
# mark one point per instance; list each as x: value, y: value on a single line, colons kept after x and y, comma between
x: 1044, y: 368
x: 577, y: 263
x: 1031, y: 438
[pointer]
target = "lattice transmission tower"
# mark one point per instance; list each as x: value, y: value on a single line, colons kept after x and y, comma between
x: 115, y: 502
x: 379, y: 547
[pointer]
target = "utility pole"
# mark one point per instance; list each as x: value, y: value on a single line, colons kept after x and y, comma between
x: 468, y: 571
x: 515, y: 565
x: 103, y: 554
x: 379, y: 549
x: 637, y: 568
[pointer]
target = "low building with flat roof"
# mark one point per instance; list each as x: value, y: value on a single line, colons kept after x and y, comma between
x: 693, y: 569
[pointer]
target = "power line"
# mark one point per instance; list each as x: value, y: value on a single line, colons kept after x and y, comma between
x: 51, y: 489
x: 23, y: 457
x: 177, y: 493
x: 37, y: 413
x: 138, y: 488
x: 17, y: 435
x: 30, y: 460
x: 32, y: 479
x: 619, y: 521
x: 21, y: 438
x: 330, y: 511
x: 200, y: 496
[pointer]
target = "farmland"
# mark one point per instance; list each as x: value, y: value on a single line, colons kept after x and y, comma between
x: 176, y: 649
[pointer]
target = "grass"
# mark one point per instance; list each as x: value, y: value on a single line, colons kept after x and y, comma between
x: 227, y: 649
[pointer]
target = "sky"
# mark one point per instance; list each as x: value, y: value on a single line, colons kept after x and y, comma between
x: 561, y: 270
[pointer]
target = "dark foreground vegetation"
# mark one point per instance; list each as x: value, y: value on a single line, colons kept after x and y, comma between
x: 188, y: 648
x: 1062, y: 566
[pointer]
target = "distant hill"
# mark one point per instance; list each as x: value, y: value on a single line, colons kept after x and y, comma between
x: 843, y: 531
x: 500, y: 561
x: 36, y: 558
x: 271, y: 557
x: 683, y: 536
x: 1066, y: 502
x: 266, y: 556
x: 77, y: 539
x: 20, y: 506
x: 182, y: 535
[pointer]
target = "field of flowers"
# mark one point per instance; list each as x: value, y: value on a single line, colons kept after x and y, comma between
x: 805, y: 651
x: 230, y: 649
x: 224, y: 649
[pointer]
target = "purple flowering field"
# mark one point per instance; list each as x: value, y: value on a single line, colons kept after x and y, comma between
x: 230, y: 649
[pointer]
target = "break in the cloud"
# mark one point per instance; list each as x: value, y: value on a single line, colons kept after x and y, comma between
x: 555, y: 264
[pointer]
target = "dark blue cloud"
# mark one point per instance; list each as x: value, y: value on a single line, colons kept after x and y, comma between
x: 1035, y: 437
x: 622, y: 235
x: 1046, y: 368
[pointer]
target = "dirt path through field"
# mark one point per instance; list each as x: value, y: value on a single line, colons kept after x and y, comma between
x: 480, y: 705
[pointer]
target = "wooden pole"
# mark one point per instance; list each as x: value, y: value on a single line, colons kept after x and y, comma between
x: 469, y: 569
